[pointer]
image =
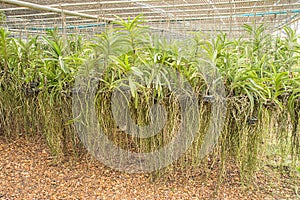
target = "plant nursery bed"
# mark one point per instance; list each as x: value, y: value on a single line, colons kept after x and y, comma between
x: 27, y: 172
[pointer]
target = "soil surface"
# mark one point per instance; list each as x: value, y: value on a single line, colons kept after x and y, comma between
x: 27, y: 172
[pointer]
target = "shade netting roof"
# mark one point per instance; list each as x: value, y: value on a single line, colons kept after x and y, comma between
x: 175, y: 16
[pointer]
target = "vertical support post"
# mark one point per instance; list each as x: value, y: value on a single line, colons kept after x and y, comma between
x: 230, y: 22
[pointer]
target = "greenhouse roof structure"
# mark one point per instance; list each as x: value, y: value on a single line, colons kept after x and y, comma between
x: 174, y: 16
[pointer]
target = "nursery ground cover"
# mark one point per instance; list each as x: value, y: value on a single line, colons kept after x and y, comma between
x: 27, y: 172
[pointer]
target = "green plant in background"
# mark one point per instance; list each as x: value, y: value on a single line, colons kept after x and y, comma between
x: 9, y: 85
x: 60, y: 63
x: 2, y: 18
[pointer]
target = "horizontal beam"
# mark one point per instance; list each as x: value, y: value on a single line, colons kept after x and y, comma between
x: 51, y: 23
x: 172, y: 25
x: 24, y: 31
x: 131, y: 1
x: 153, y: 17
x: 257, y: 8
x: 196, y: 19
x: 47, y: 8
x: 82, y: 4
x: 284, y: 6
x: 67, y: 27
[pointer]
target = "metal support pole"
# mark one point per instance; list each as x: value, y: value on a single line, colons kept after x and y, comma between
x: 49, y: 9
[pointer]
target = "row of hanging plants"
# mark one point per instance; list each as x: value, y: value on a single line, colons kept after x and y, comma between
x: 260, y: 74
